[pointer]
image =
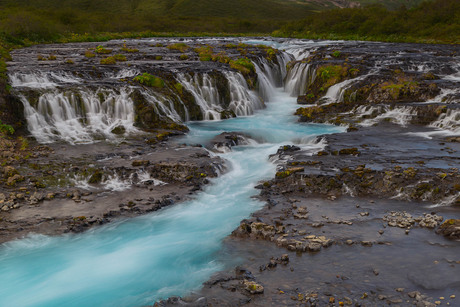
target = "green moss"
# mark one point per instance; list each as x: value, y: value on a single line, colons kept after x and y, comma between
x: 6, y: 129
x: 108, y: 61
x: 102, y: 50
x: 183, y: 57
x: 119, y: 57
x: 182, y: 47
x: 179, y: 87
x: 129, y: 50
x: 336, y: 54
x: 150, y: 80
x: 89, y: 54
x: 244, y: 65
x: 158, y: 57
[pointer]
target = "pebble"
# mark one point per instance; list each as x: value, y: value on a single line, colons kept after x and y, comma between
x: 452, y: 296
x: 399, y: 289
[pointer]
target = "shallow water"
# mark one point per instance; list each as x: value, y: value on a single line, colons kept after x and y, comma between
x: 171, y: 252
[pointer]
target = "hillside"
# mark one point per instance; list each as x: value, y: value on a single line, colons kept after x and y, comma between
x: 261, y: 9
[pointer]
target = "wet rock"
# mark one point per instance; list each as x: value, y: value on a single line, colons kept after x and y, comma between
x: 313, y: 247
x: 14, y: 179
x: 140, y: 163
x: 9, y: 171
x: 253, y: 287
x: 450, y: 229
x: 119, y: 130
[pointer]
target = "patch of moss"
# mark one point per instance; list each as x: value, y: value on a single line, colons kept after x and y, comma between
x: 244, y: 65
x: 108, y: 61
x: 150, y: 80
x: 102, y: 50
x: 89, y: 54
x: 182, y: 47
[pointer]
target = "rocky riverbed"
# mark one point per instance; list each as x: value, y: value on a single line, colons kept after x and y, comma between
x: 371, y: 219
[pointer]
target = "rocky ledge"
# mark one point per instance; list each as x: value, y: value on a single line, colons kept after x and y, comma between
x: 56, y: 189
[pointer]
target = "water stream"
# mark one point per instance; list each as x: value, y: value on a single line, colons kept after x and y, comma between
x: 171, y: 252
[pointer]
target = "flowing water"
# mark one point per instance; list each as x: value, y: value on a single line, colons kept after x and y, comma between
x: 171, y: 252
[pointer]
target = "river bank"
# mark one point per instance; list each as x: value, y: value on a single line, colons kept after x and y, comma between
x: 364, y: 246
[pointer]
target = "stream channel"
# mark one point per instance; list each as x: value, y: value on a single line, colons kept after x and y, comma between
x: 137, y: 261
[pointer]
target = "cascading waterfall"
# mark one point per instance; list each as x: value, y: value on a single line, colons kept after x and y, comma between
x: 78, y: 116
x: 448, y: 121
x: 164, y: 106
x: 298, y: 78
x: 172, y: 251
x: 204, y: 90
x: 243, y: 101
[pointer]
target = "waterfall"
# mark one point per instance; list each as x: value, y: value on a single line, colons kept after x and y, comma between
x: 448, y: 121
x: 78, y: 116
x: 61, y: 106
x: 298, y: 78
x: 243, y: 101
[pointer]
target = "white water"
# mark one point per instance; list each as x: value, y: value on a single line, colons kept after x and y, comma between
x: 78, y: 117
x: 170, y: 252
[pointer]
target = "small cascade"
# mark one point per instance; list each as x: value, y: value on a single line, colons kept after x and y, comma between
x: 283, y: 59
x: 78, y: 116
x: 398, y: 115
x: 265, y: 81
x: 335, y: 93
x: 42, y: 79
x: 204, y: 90
x: 164, y: 106
x: 243, y: 101
x: 449, y: 121
x: 298, y: 78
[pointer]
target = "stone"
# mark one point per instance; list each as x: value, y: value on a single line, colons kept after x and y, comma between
x: 140, y: 163
x: 253, y: 287
x: 314, y: 247
x: 285, y: 257
x: 413, y: 294
x: 5, y: 208
x: 14, y: 179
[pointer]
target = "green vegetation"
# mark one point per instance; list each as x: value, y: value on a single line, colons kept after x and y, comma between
x: 108, y: 61
x: 89, y: 54
x: 178, y: 46
x: 244, y: 65
x: 129, y: 50
x: 102, y: 50
x: 6, y: 129
x: 431, y: 21
x: 149, y: 80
